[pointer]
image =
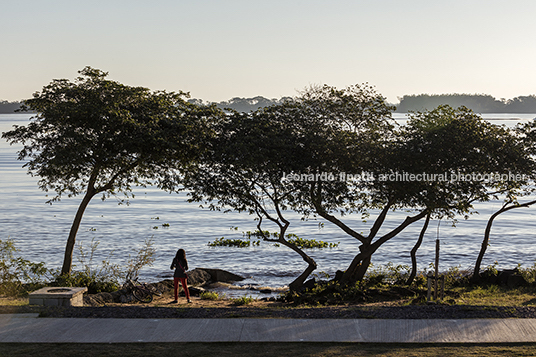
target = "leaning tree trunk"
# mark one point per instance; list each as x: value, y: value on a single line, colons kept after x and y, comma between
x: 69, y: 248
x: 485, y: 242
x: 483, y: 247
x: 297, y: 284
x: 413, y: 252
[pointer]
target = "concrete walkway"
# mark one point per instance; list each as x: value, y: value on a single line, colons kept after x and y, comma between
x: 30, y: 328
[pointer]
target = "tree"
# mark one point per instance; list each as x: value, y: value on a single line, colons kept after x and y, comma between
x: 350, y: 130
x: 413, y: 252
x: 482, y: 160
x: 508, y: 205
x: 413, y: 168
x: 243, y: 171
x: 96, y: 136
x: 526, y: 137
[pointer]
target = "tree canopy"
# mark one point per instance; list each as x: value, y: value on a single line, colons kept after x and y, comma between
x: 327, y: 152
x: 427, y: 167
x: 243, y: 170
x: 97, y: 136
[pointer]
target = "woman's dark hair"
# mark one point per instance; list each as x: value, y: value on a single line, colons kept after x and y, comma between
x: 181, y: 254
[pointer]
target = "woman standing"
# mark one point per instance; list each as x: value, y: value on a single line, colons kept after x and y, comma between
x: 180, y: 264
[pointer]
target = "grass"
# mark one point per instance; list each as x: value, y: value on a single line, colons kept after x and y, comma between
x: 13, y: 301
x: 496, y: 296
x: 265, y: 349
x: 210, y: 295
x: 243, y: 300
x: 477, y: 295
x: 386, y: 284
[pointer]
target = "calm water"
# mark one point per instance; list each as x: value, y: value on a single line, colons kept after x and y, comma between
x: 40, y: 230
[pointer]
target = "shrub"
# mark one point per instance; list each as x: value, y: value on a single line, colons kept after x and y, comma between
x: 529, y: 273
x: 105, y: 277
x: 94, y: 283
x: 209, y: 295
x: 243, y: 300
x: 145, y: 256
x: 386, y: 274
x: 456, y: 277
x: 18, y: 275
x: 326, y: 293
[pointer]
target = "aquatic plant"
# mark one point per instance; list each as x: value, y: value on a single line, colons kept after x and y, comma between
x: 309, y: 243
x: 240, y: 243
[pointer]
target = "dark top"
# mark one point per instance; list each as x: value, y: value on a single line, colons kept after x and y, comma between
x: 180, y: 266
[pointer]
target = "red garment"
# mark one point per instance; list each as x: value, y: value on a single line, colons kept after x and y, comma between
x: 184, y: 287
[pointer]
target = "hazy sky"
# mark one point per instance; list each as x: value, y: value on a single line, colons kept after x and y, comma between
x: 217, y: 50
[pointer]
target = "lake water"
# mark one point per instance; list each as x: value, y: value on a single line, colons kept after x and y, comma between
x: 40, y: 230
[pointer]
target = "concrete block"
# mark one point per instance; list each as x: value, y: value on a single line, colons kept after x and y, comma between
x: 58, y: 296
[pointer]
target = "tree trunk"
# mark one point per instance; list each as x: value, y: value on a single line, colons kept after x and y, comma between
x: 413, y: 252
x: 485, y: 242
x: 359, y: 265
x: 483, y: 247
x: 356, y: 272
x: 297, y: 284
x: 69, y: 248
x: 362, y: 269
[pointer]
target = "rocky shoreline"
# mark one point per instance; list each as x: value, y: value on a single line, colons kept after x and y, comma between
x: 121, y: 304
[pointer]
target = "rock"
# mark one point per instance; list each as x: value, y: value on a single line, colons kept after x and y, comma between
x: 511, y: 278
x: 309, y: 284
x: 198, y: 277
x: 127, y: 299
x: 218, y: 275
x: 116, y: 295
x: 196, y: 291
x: 98, y: 299
x: 265, y: 291
x: 164, y: 285
x: 338, y: 275
x: 487, y: 277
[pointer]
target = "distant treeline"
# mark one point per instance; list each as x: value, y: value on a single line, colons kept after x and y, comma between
x: 8, y: 107
x: 238, y: 104
x: 244, y: 104
x: 479, y: 103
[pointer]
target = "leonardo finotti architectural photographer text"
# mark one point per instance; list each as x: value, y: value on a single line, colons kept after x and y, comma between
x: 405, y: 177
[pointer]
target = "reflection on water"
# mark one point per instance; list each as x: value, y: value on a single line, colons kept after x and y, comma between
x: 41, y: 230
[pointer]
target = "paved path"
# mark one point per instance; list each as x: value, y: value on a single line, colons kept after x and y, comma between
x: 30, y: 328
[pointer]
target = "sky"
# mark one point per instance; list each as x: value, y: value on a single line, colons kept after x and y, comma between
x: 217, y: 50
